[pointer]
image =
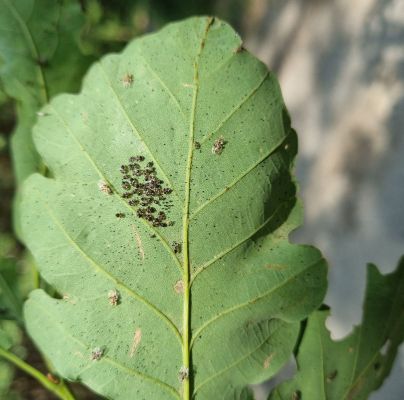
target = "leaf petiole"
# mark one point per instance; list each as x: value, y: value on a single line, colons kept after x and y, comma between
x: 59, y: 389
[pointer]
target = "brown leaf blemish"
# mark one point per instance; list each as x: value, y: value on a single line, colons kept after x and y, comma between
x: 267, y: 361
x: 52, y: 378
x: 137, y: 337
x: 138, y: 242
x: 179, y: 287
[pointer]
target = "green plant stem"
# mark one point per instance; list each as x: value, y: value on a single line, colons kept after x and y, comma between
x: 59, y: 389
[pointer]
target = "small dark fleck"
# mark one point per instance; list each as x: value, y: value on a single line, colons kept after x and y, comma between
x: 177, y: 247
x: 331, y: 376
x: 197, y: 145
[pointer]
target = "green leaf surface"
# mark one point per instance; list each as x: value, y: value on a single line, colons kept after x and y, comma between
x: 352, y: 368
x: 221, y: 291
x: 10, y: 303
x: 39, y: 58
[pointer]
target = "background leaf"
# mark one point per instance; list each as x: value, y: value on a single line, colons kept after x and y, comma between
x: 354, y: 367
x: 10, y: 303
x: 39, y: 57
x: 221, y: 290
x: 10, y: 308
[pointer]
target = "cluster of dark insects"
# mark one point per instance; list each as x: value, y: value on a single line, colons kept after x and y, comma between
x: 145, y: 191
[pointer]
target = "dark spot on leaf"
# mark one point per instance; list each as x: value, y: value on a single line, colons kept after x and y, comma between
x: 177, y: 247
x: 331, y: 376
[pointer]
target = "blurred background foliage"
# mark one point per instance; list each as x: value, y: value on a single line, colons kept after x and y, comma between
x: 341, y: 68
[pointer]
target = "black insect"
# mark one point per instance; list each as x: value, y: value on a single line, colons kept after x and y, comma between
x: 120, y: 215
x: 124, y: 169
x: 177, y: 247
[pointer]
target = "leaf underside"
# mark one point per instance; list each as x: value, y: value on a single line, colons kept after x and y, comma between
x: 213, y: 301
x: 352, y: 368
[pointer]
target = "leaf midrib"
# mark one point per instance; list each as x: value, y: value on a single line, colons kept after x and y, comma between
x: 186, y: 217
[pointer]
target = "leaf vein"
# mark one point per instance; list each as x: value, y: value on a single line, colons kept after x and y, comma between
x: 236, y: 109
x: 108, y: 275
x: 101, y: 175
x: 162, y: 83
x: 239, y: 178
x: 134, y: 129
x: 105, y: 358
x: 248, y: 303
x: 235, y: 363
x: 239, y: 243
